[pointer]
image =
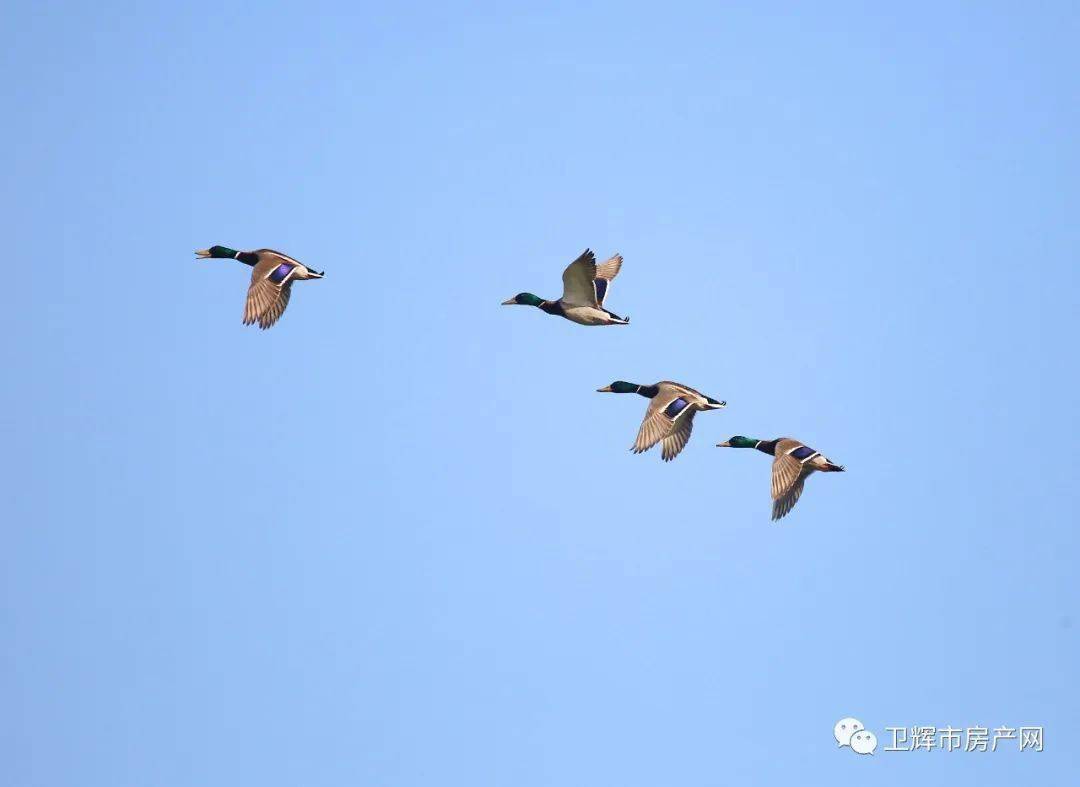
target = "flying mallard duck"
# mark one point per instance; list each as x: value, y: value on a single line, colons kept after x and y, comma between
x: 793, y: 463
x: 271, y: 281
x: 584, y: 286
x: 670, y: 415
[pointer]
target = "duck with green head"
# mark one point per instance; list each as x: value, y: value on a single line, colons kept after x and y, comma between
x: 793, y: 463
x: 585, y: 285
x: 272, y: 277
x: 669, y: 418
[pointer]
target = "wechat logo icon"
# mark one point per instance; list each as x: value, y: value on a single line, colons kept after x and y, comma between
x: 853, y: 733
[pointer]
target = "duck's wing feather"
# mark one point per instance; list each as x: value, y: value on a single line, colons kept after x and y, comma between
x: 669, y: 418
x: 783, y: 505
x: 605, y: 274
x: 273, y: 314
x: 786, y: 468
x: 679, y: 437
x: 577, y: 279
x: 788, y: 474
x: 268, y: 294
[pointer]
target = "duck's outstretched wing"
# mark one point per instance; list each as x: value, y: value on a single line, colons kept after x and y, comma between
x: 268, y: 294
x: 585, y: 283
x: 788, y: 474
x: 782, y: 506
x: 577, y: 279
x: 605, y: 274
x: 669, y: 417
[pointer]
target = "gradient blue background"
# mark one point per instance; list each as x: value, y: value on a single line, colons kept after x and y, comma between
x: 398, y: 539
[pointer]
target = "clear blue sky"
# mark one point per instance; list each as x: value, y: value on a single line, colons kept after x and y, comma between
x: 398, y: 539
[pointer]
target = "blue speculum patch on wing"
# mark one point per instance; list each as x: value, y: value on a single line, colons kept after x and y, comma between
x: 675, y: 407
x: 280, y: 272
x: 601, y: 289
x: 802, y: 452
